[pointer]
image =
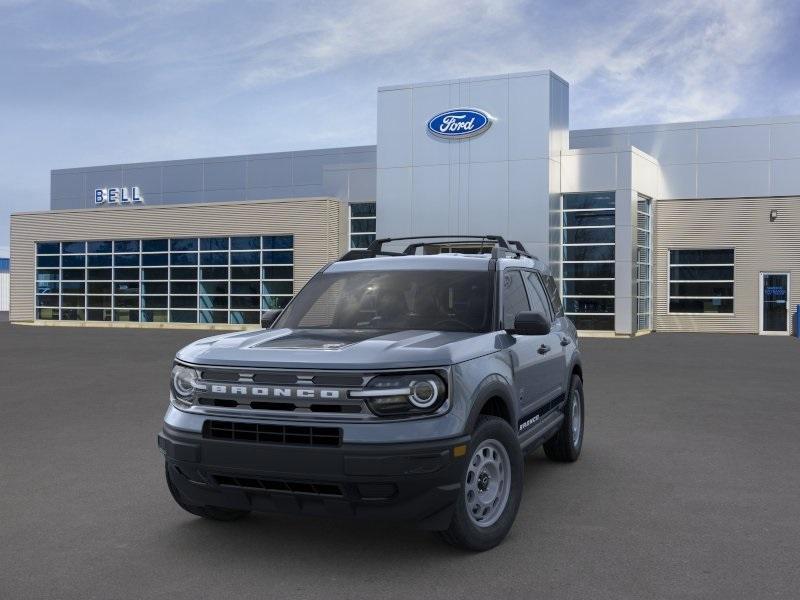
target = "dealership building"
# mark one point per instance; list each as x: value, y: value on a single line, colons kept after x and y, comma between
x: 672, y: 227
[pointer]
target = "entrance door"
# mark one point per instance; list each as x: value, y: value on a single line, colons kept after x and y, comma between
x: 774, y: 301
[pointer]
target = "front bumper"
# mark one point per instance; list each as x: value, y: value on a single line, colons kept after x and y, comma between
x: 410, y: 481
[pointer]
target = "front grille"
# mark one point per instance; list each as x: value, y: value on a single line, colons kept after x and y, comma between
x: 351, y: 408
x: 264, y: 433
x: 272, y: 485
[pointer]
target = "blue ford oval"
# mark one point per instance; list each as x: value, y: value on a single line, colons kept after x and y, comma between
x: 460, y: 123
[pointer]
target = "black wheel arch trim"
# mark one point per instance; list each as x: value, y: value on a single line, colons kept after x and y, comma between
x: 494, y: 386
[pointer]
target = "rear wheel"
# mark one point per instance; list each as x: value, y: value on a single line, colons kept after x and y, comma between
x: 565, y: 445
x: 216, y: 513
x: 492, y: 488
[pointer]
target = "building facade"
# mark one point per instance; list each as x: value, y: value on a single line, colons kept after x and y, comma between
x: 676, y: 227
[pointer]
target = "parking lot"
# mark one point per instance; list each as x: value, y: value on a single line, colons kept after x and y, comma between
x: 688, y: 487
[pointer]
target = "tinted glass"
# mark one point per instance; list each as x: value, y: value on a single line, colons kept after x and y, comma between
x: 218, y: 243
x: 701, y: 305
x: 245, y: 243
x: 701, y: 257
x: 183, y: 245
x: 73, y: 247
x: 515, y: 298
x: 588, y: 253
x: 362, y: 209
x: 97, y: 247
x: 126, y: 246
x: 692, y: 273
x: 536, y: 294
x: 154, y: 245
x: 701, y: 289
x: 591, y: 200
x: 277, y: 242
x: 47, y: 247
x: 589, y: 236
x: 597, y: 322
x: 588, y: 288
x: 588, y: 270
x: 588, y: 218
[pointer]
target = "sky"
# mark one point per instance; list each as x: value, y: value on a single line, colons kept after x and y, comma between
x: 93, y: 82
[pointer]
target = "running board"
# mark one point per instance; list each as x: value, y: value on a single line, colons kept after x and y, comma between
x: 542, y: 433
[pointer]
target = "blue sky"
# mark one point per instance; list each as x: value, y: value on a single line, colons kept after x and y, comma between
x: 93, y: 82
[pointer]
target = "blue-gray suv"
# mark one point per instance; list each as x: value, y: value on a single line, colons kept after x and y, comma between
x: 404, y: 384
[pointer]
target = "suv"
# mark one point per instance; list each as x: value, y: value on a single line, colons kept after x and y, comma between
x: 394, y: 385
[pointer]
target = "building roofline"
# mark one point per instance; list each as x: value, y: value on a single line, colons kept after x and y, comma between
x: 401, y: 86
x: 687, y: 125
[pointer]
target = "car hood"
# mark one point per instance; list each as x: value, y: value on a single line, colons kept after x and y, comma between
x: 339, y: 349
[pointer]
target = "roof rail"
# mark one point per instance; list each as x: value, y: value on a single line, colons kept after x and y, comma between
x: 499, y: 246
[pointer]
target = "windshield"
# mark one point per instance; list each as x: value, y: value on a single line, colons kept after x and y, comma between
x: 394, y: 301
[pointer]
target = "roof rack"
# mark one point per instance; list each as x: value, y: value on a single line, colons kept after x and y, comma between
x: 500, y: 248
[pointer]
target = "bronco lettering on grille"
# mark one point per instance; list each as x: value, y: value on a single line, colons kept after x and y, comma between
x: 270, y: 392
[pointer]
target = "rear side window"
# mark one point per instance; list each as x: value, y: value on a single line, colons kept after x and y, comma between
x: 537, y: 295
x: 551, y: 287
x: 515, y: 299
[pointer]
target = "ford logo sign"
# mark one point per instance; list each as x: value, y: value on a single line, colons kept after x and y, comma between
x: 459, y: 123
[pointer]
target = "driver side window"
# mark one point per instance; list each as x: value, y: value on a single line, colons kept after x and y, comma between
x: 515, y: 299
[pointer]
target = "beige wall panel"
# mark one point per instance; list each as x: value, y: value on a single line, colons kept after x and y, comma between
x: 742, y: 224
x: 316, y: 224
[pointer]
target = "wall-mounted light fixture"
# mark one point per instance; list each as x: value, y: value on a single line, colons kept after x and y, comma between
x: 773, y: 215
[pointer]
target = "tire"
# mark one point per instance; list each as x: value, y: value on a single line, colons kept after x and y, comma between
x: 493, y: 443
x: 566, y: 444
x: 215, y: 513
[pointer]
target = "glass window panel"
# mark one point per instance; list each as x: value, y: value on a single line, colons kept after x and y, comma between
x: 73, y: 274
x: 244, y: 258
x: 126, y: 287
x: 278, y: 272
x: 276, y: 287
x: 706, y: 305
x: 591, y: 200
x: 73, y: 247
x: 100, y: 260
x: 701, y: 289
x: 588, y: 253
x: 98, y: 301
x: 183, y: 287
x: 588, y: 218
x: 216, y: 243
x: 183, y: 245
x: 73, y: 314
x: 126, y: 245
x: 214, y: 272
x: 155, y: 301
x: 47, y: 261
x: 98, y: 247
x: 278, y: 258
x: 245, y: 243
x: 154, y: 287
x: 215, y: 302
x: 98, y: 315
x: 596, y: 322
x: 251, y: 302
x: 155, y: 274
x: 99, y: 274
x: 580, y: 270
x: 48, y: 314
x: 126, y: 260
x: 362, y: 209
x: 48, y: 300
x: 73, y: 301
x: 103, y: 287
x: 73, y: 260
x: 154, y: 260
x: 183, y: 316
x: 213, y: 287
x: 213, y: 316
x: 588, y: 288
x: 126, y: 315
x: 515, y: 298
x: 589, y: 305
x: 214, y: 258
x: 183, y: 273
x: 691, y: 273
x: 47, y: 274
x: 277, y: 242
x: 183, y: 301
x: 155, y: 316
x: 47, y: 247
x: 362, y: 225
x: 154, y: 245
x: 589, y: 236
x: 245, y: 272
x: 126, y: 301
x: 47, y: 287
x: 126, y: 274
x: 73, y: 287
x: 183, y: 258
x: 361, y: 241
x: 272, y: 302
x: 701, y: 257
x: 242, y: 317
x: 244, y: 287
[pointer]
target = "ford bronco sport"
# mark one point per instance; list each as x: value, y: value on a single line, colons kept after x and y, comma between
x: 404, y: 385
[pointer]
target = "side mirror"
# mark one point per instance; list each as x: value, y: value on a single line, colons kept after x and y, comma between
x: 531, y: 323
x: 268, y: 317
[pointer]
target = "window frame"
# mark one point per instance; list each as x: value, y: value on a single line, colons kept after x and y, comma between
x: 670, y: 281
x: 351, y: 218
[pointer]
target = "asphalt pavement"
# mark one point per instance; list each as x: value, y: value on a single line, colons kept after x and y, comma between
x: 688, y: 487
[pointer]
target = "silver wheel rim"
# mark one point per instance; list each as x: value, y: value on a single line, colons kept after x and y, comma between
x: 488, y: 483
x: 576, y: 418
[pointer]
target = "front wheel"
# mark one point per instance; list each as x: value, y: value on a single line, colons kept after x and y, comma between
x: 565, y: 445
x: 492, y: 488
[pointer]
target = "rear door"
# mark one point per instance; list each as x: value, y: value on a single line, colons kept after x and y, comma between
x: 555, y: 359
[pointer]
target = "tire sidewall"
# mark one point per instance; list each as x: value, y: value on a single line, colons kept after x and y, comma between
x: 574, y: 450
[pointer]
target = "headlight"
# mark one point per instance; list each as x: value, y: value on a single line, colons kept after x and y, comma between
x: 183, y: 384
x: 406, y: 394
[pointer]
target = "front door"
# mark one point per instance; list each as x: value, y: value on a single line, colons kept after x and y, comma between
x: 774, y: 304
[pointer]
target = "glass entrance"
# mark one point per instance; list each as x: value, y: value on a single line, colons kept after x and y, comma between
x: 774, y: 318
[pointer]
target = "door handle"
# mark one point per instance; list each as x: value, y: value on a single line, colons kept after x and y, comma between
x: 565, y: 341
x: 543, y: 349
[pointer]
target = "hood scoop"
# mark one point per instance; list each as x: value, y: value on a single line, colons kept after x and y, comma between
x: 320, y: 339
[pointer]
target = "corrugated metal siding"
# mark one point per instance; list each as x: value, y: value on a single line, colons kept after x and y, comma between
x: 316, y: 224
x: 3, y: 291
x: 742, y: 224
